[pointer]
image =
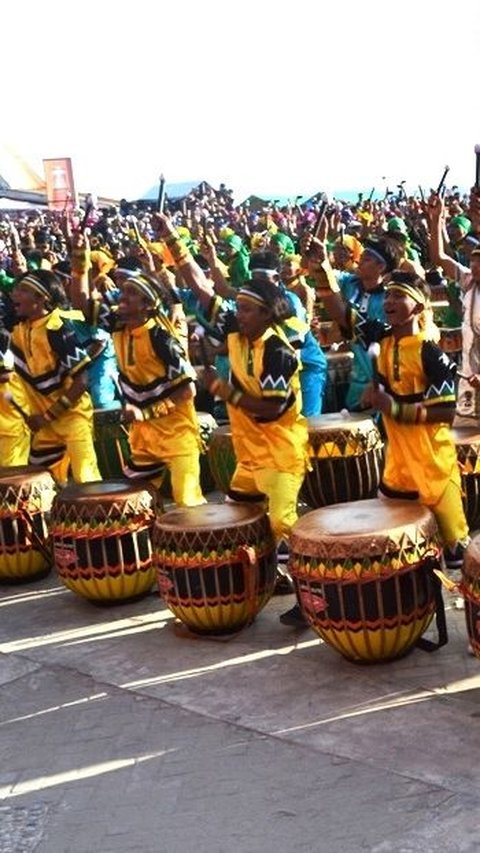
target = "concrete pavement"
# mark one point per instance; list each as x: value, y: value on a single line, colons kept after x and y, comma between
x: 119, y: 731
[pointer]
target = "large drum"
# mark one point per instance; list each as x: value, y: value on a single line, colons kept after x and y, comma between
x: 339, y: 371
x: 346, y: 455
x: 216, y: 564
x: 471, y: 592
x: 467, y: 443
x: 363, y: 575
x: 102, y: 540
x: 111, y: 441
x: 26, y: 496
x: 221, y: 457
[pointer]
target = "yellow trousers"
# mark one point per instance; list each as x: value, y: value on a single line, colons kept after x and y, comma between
x: 67, y: 441
x: 149, y: 455
x: 451, y: 516
x: 281, y: 490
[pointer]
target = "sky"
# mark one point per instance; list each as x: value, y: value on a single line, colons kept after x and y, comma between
x: 267, y: 96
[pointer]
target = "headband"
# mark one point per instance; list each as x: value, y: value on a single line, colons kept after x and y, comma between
x: 409, y: 291
x: 144, y: 287
x: 35, y: 284
x: 376, y: 255
x: 252, y: 296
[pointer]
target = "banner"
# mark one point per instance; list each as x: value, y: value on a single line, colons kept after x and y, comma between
x: 60, y: 185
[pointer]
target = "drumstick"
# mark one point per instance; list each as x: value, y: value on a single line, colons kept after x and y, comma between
x: 477, y: 167
x: 133, y: 222
x: 86, y: 215
x: 374, y: 352
x: 9, y: 398
x: 203, y: 352
x: 161, y: 195
x: 320, y: 217
x: 442, y: 179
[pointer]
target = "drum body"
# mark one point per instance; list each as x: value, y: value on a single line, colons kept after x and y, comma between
x: 102, y: 540
x: 216, y: 564
x: 362, y: 573
x: 26, y: 495
x: 471, y: 592
x: 346, y: 455
x: 221, y: 457
x: 451, y: 342
x: 339, y: 371
x: 111, y: 442
x: 467, y: 443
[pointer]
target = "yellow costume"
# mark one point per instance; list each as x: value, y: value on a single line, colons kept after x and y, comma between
x: 421, y: 458
x: 271, y: 455
x: 47, y: 357
x: 152, y: 365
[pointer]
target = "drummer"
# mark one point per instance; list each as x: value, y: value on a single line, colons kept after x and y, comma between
x: 263, y: 398
x: 363, y: 291
x: 414, y: 390
x: 53, y: 370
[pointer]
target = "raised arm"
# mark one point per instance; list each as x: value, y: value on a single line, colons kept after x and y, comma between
x: 315, y: 260
x: 438, y: 255
x: 192, y: 274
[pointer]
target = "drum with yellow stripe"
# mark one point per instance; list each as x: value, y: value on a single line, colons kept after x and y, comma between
x: 216, y: 564
x: 26, y: 496
x: 102, y: 540
x: 363, y: 575
x: 346, y: 456
x: 221, y: 457
x: 467, y: 443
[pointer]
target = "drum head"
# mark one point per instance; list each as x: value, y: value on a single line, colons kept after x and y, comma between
x: 336, y: 420
x: 361, y: 529
x: 466, y: 435
x: 222, y: 432
x: 103, y: 491
x: 210, y: 517
x: 22, y: 476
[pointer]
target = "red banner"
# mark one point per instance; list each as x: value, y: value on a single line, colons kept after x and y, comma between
x: 60, y: 185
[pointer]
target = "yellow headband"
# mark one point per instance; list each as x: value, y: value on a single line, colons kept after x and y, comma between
x: 409, y: 291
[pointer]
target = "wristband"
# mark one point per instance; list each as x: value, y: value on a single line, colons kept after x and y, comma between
x: 234, y: 397
x: 408, y: 413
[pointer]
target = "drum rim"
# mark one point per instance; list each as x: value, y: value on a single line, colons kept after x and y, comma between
x: 175, y: 520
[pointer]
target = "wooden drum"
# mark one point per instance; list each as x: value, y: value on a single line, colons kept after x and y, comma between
x: 363, y: 576
x: 216, y: 564
x: 102, y: 540
x: 467, y: 443
x: 111, y: 442
x: 470, y: 589
x: 221, y: 457
x: 339, y: 371
x: 26, y: 495
x: 346, y: 454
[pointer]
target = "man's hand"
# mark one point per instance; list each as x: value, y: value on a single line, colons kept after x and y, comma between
x: 164, y: 226
x: 36, y: 422
x: 375, y: 397
x: 132, y: 413
x: 435, y: 208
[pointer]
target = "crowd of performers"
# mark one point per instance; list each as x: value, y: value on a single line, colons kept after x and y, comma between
x: 130, y: 311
